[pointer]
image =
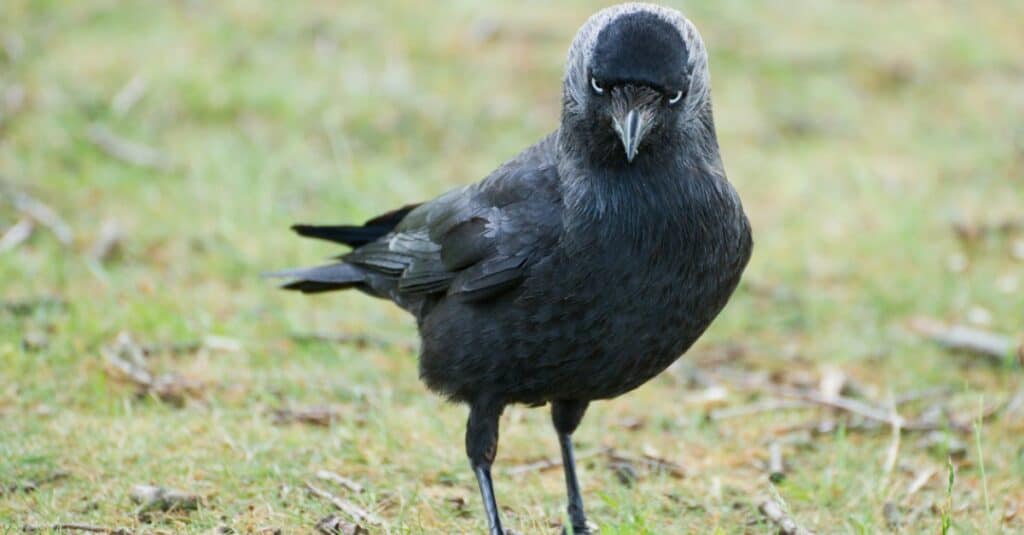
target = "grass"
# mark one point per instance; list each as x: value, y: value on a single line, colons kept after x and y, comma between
x: 855, y: 132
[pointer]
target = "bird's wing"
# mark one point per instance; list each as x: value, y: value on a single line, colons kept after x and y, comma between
x: 474, y: 242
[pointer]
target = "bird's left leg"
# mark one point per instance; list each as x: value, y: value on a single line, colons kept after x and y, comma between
x: 482, y: 447
x: 566, y: 416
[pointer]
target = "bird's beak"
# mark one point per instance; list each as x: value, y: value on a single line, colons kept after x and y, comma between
x: 631, y: 120
x: 631, y: 131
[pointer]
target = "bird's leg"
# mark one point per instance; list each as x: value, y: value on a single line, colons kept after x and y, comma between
x: 566, y: 416
x: 481, y: 447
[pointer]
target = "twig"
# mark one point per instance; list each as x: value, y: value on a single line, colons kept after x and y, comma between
x: 16, y: 235
x: 32, y: 486
x: 153, y: 498
x: 1016, y: 402
x: 14, y: 47
x: 357, y: 513
x: 770, y: 405
x: 335, y: 525
x: 545, y: 464
x: 893, y: 453
x: 968, y: 231
x: 995, y: 347
x: 652, y: 462
x: 108, y: 242
x: 127, y: 359
x: 44, y: 215
x: 327, y: 475
x: 891, y: 513
x: 536, y: 466
x: 920, y: 480
x: 21, y: 308
x: 923, y: 394
x: 12, y: 102
x: 127, y: 151
x: 846, y: 404
x: 129, y: 95
x: 322, y: 416
x: 776, y: 467
x: 774, y: 512
x: 872, y: 413
x: 76, y: 527
x: 833, y: 381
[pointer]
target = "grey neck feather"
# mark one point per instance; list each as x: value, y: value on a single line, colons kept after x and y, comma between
x: 590, y: 198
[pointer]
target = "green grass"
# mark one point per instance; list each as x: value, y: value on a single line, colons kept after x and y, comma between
x: 855, y: 132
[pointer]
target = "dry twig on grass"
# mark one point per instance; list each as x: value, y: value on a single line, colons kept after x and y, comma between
x: 39, y: 212
x: 995, y: 347
x: 22, y: 308
x: 1016, y: 402
x: 356, y: 512
x: 129, y: 95
x: 327, y: 475
x: 153, y: 498
x: 335, y: 525
x: 76, y: 527
x: 540, y: 465
x: 651, y: 462
x: 33, y: 485
x: 893, y: 453
x: 870, y: 412
x: 920, y: 480
x: 773, y: 511
x: 126, y: 359
x: 923, y: 394
x: 319, y: 415
x: 108, y: 243
x: 768, y: 405
x: 845, y: 404
x: 891, y: 513
x: 968, y: 231
x: 548, y: 463
x: 127, y: 151
x: 776, y: 466
x: 16, y: 235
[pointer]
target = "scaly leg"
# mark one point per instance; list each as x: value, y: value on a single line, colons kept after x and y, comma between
x: 566, y: 416
x: 481, y: 447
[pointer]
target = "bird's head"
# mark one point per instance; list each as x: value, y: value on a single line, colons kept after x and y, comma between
x: 636, y: 80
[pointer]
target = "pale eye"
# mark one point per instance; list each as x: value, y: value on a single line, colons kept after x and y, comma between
x: 678, y: 96
x: 597, y: 88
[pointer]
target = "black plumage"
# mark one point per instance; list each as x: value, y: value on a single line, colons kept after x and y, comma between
x: 584, y: 266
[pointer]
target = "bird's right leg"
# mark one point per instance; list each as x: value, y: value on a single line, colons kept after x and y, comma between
x: 566, y: 416
x: 481, y: 447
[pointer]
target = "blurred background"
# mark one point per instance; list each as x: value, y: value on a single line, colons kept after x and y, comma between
x: 153, y: 154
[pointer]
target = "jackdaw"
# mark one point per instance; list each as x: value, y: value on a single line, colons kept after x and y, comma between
x: 581, y: 268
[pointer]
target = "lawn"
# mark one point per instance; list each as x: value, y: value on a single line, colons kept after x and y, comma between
x: 878, y: 147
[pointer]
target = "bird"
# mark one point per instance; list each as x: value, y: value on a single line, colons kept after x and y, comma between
x: 582, y: 267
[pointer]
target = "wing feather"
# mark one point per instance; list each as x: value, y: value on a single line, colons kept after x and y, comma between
x: 473, y: 243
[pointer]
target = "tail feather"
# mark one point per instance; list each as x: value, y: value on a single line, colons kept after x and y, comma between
x: 340, y: 276
x: 356, y: 235
x: 351, y: 235
x: 314, y: 287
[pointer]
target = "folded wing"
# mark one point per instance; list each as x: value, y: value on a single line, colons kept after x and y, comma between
x: 473, y: 243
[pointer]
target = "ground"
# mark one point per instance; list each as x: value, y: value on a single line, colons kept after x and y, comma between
x: 859, y: 134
